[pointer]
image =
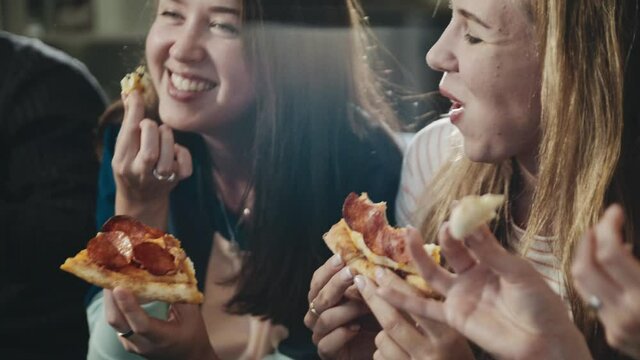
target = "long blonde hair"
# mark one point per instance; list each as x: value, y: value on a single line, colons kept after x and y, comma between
x: 581, y: 128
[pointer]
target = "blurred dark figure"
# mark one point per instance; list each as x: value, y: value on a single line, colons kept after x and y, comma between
x: 49, y: 106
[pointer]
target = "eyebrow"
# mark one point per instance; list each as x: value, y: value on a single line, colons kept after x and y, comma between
x: 224, y: 10
x: 216, y: 9
x: 469, y: 16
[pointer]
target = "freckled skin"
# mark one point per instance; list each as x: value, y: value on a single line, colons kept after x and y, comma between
x: 497, y: 79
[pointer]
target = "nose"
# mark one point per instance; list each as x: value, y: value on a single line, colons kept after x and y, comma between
x: 188, y: 46
x: 441, y: 56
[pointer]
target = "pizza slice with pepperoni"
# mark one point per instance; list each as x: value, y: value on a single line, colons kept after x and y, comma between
x: 147, y: 261
x: 364, y: 239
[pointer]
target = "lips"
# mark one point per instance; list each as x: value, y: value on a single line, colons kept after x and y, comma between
x: 457, y: 107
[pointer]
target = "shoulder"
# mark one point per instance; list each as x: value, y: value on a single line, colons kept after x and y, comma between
x: 425, y: 154
x: 434, y: 138
x: 28, y: 61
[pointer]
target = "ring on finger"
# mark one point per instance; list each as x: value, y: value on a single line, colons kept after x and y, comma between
x: 594, y: 302
x: 126, y: 334
x: 312, y: 309
x: 160, y: 177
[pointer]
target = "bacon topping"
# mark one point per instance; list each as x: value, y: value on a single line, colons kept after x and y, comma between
x: 370, y: 220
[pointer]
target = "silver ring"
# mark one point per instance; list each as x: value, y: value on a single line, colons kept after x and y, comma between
x: 126, y: 335
x: 594, y: 302
x: 312, y: 309
x: 160, y: 177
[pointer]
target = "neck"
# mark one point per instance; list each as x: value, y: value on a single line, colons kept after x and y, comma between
x: 524, y: 188
x: 232, y: 160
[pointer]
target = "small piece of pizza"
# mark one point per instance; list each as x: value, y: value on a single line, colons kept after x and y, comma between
x: 137, y: 80
x: 364, y: 239
x: 147, y: 261
x: 473, y: 211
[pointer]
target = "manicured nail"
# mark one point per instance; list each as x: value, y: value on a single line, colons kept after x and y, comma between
x: 360, y: 282
x: 346, y: 274
x: 336, y: 260
x: 379, y: 273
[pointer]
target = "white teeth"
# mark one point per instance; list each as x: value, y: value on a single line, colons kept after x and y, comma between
x: 183, y: 84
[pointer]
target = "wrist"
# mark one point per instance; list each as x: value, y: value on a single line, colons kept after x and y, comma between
x: 569, y: 344
x: 153, y: 212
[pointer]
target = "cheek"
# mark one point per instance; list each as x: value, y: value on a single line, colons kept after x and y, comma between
x: 157, y: 47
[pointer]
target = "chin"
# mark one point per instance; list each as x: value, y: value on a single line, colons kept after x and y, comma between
x: 482, y: 154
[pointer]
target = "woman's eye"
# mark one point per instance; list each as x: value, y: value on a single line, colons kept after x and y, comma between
x: 225, y: 28
x: 472, y: 39
x: 171, y: 14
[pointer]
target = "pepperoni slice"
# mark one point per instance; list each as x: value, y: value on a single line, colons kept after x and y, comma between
x: 370, y: 219
x: 112, y: 250
x: 154, y: 258
x: 135, y: 229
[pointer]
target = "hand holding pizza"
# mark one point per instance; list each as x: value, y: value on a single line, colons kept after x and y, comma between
x: 607, y: 276
x: 147, y: 163
x: 494, y: 298
x: 408, y: 337
x: 337, y: 318
x: 182, y: 336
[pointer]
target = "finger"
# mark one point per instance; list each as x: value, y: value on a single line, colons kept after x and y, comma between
x: 141, y: 323
x: 437, y: 277
x: 129, y: 134
x: 166, y: 158
x: 388, y: 348
x: 611, y: 254
x: 149, y: 152
x: 413, y: 305
x: 338, y: 316
x: 323, y: 274
x: 112, y: 312
x: 402, y: 331
x: 183, y: 161
x: 487, y: 251
x: 333, y: 292
x: 457, y: 255
x: 330, y: 346
x: 589, y: 278
x: 387, y: 278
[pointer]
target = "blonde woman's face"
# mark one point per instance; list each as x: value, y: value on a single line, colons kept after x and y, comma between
x: 196, y: 61
x: 492, y: 75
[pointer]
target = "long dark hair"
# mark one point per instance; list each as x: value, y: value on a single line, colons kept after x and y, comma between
x: 310, y: 128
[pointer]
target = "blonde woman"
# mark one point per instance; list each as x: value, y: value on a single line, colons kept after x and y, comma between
x: 537, y: 89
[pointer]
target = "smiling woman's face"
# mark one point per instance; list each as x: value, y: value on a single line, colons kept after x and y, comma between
x: 196, y: 61
x: 491, y: 68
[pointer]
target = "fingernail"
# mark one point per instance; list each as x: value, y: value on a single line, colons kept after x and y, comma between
x: 336, y: 260
x: 379, y: 273
x: 346, y: 274
x: 360, y: 282
x: 354, y: 327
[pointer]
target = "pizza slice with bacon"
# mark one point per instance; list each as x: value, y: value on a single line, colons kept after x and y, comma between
x: 147, y: 261
x: 364, y: 239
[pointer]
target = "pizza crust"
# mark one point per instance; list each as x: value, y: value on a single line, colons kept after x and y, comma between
x: 473, y: 211
x: 181, y: 287
x: 342, y: 240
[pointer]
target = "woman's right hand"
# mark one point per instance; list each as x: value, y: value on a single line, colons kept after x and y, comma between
x: 143, y: 147
x: 337, y: 316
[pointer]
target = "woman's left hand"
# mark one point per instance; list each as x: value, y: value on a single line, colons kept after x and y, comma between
x: 495, y: 299
x: 405, y: 337
x: 182, y: 336
x: 607, y: 276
